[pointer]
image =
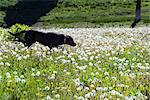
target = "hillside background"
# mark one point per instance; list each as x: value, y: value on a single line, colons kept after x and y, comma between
x: 87, y: 13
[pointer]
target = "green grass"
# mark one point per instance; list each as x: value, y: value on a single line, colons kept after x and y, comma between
x: 98, y: 12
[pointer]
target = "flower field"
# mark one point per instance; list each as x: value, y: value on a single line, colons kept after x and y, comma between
x: 106, y: 64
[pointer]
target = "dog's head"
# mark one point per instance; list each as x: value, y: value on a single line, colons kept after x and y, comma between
x: 69, y: 40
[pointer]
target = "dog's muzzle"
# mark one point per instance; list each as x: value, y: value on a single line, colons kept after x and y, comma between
x: 74, y: 44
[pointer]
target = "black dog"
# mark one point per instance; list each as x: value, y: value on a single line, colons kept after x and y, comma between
x: 48, y: 39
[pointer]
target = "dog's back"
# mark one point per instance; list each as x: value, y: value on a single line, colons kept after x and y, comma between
x: 48, y: 39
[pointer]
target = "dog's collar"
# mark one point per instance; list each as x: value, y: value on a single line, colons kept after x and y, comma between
x: 64, y: 40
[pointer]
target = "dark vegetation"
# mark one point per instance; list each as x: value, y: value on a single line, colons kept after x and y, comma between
x: 73, y: 13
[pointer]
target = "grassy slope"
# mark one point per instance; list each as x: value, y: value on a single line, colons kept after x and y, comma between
x: 93, y: 13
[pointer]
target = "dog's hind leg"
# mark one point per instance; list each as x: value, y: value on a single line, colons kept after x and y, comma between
x: 27, y: 44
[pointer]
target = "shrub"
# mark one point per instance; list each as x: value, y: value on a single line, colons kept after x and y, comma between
x: 18, y: 28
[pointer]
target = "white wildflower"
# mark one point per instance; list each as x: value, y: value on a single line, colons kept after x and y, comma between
x: 102, y: 95
x: 92, y: 86
x: 121, y: 73
x: 92, y: 74
x: 105, y: 98
x: 23, y: 80
x: 130, y: 98
x: 46, y: 88
x: 113, y: 92
x: 72, y: 59
x: 86, y: 88
x: 14, y: 53
x: 80, y: 98
x: 106, y: 74
x: 99, y: 88
x: 114, y: 78
x: 8, y: 75
x: 94, y: 92
x: 55, y: 72
x: 132, y: 75
x: 19, y: 58
x: 90, y: 64
x: 91, y: 57
x: 52, y: 77
x: 38, y: 73
x: 0, y: 77
x: 125, y: 64
x: 48, y: 97
x: 33, y: 69
x: 97, y: 73
x: 132, y: 66
x: 88, y: 95
x: 1, y: 53
x: 25, y: 57
x: 57, y: 96
x: 77, y: 81
x: 79, y: 88
x: 32, y: 74
x: 17, y: 79
x: 115, y: 64
x: 1, y: 64
x: 1, y: 58
x: 67, y: 73
x: 15, y: 72
x: 7, y: 64
x: 21, y: 76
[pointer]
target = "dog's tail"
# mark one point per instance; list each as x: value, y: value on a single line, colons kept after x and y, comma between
x: 17, y: 34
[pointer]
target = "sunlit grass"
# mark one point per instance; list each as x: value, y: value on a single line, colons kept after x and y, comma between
x: 84, y: 72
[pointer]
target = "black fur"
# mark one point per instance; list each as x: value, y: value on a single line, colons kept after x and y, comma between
x: 48, y: 39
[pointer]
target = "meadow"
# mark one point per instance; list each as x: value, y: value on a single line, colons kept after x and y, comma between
x: 107, y: 64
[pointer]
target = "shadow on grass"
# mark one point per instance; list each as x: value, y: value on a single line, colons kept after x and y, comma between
x: 27, y: 12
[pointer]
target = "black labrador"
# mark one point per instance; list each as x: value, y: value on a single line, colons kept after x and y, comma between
x: 48, y: 39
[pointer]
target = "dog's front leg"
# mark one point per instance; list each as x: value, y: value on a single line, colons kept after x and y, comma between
x: 50, y: 50
x: 61, y: 47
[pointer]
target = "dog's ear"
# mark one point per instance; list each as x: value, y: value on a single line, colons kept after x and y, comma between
x: 66, y: 37
x: 69, y: 40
